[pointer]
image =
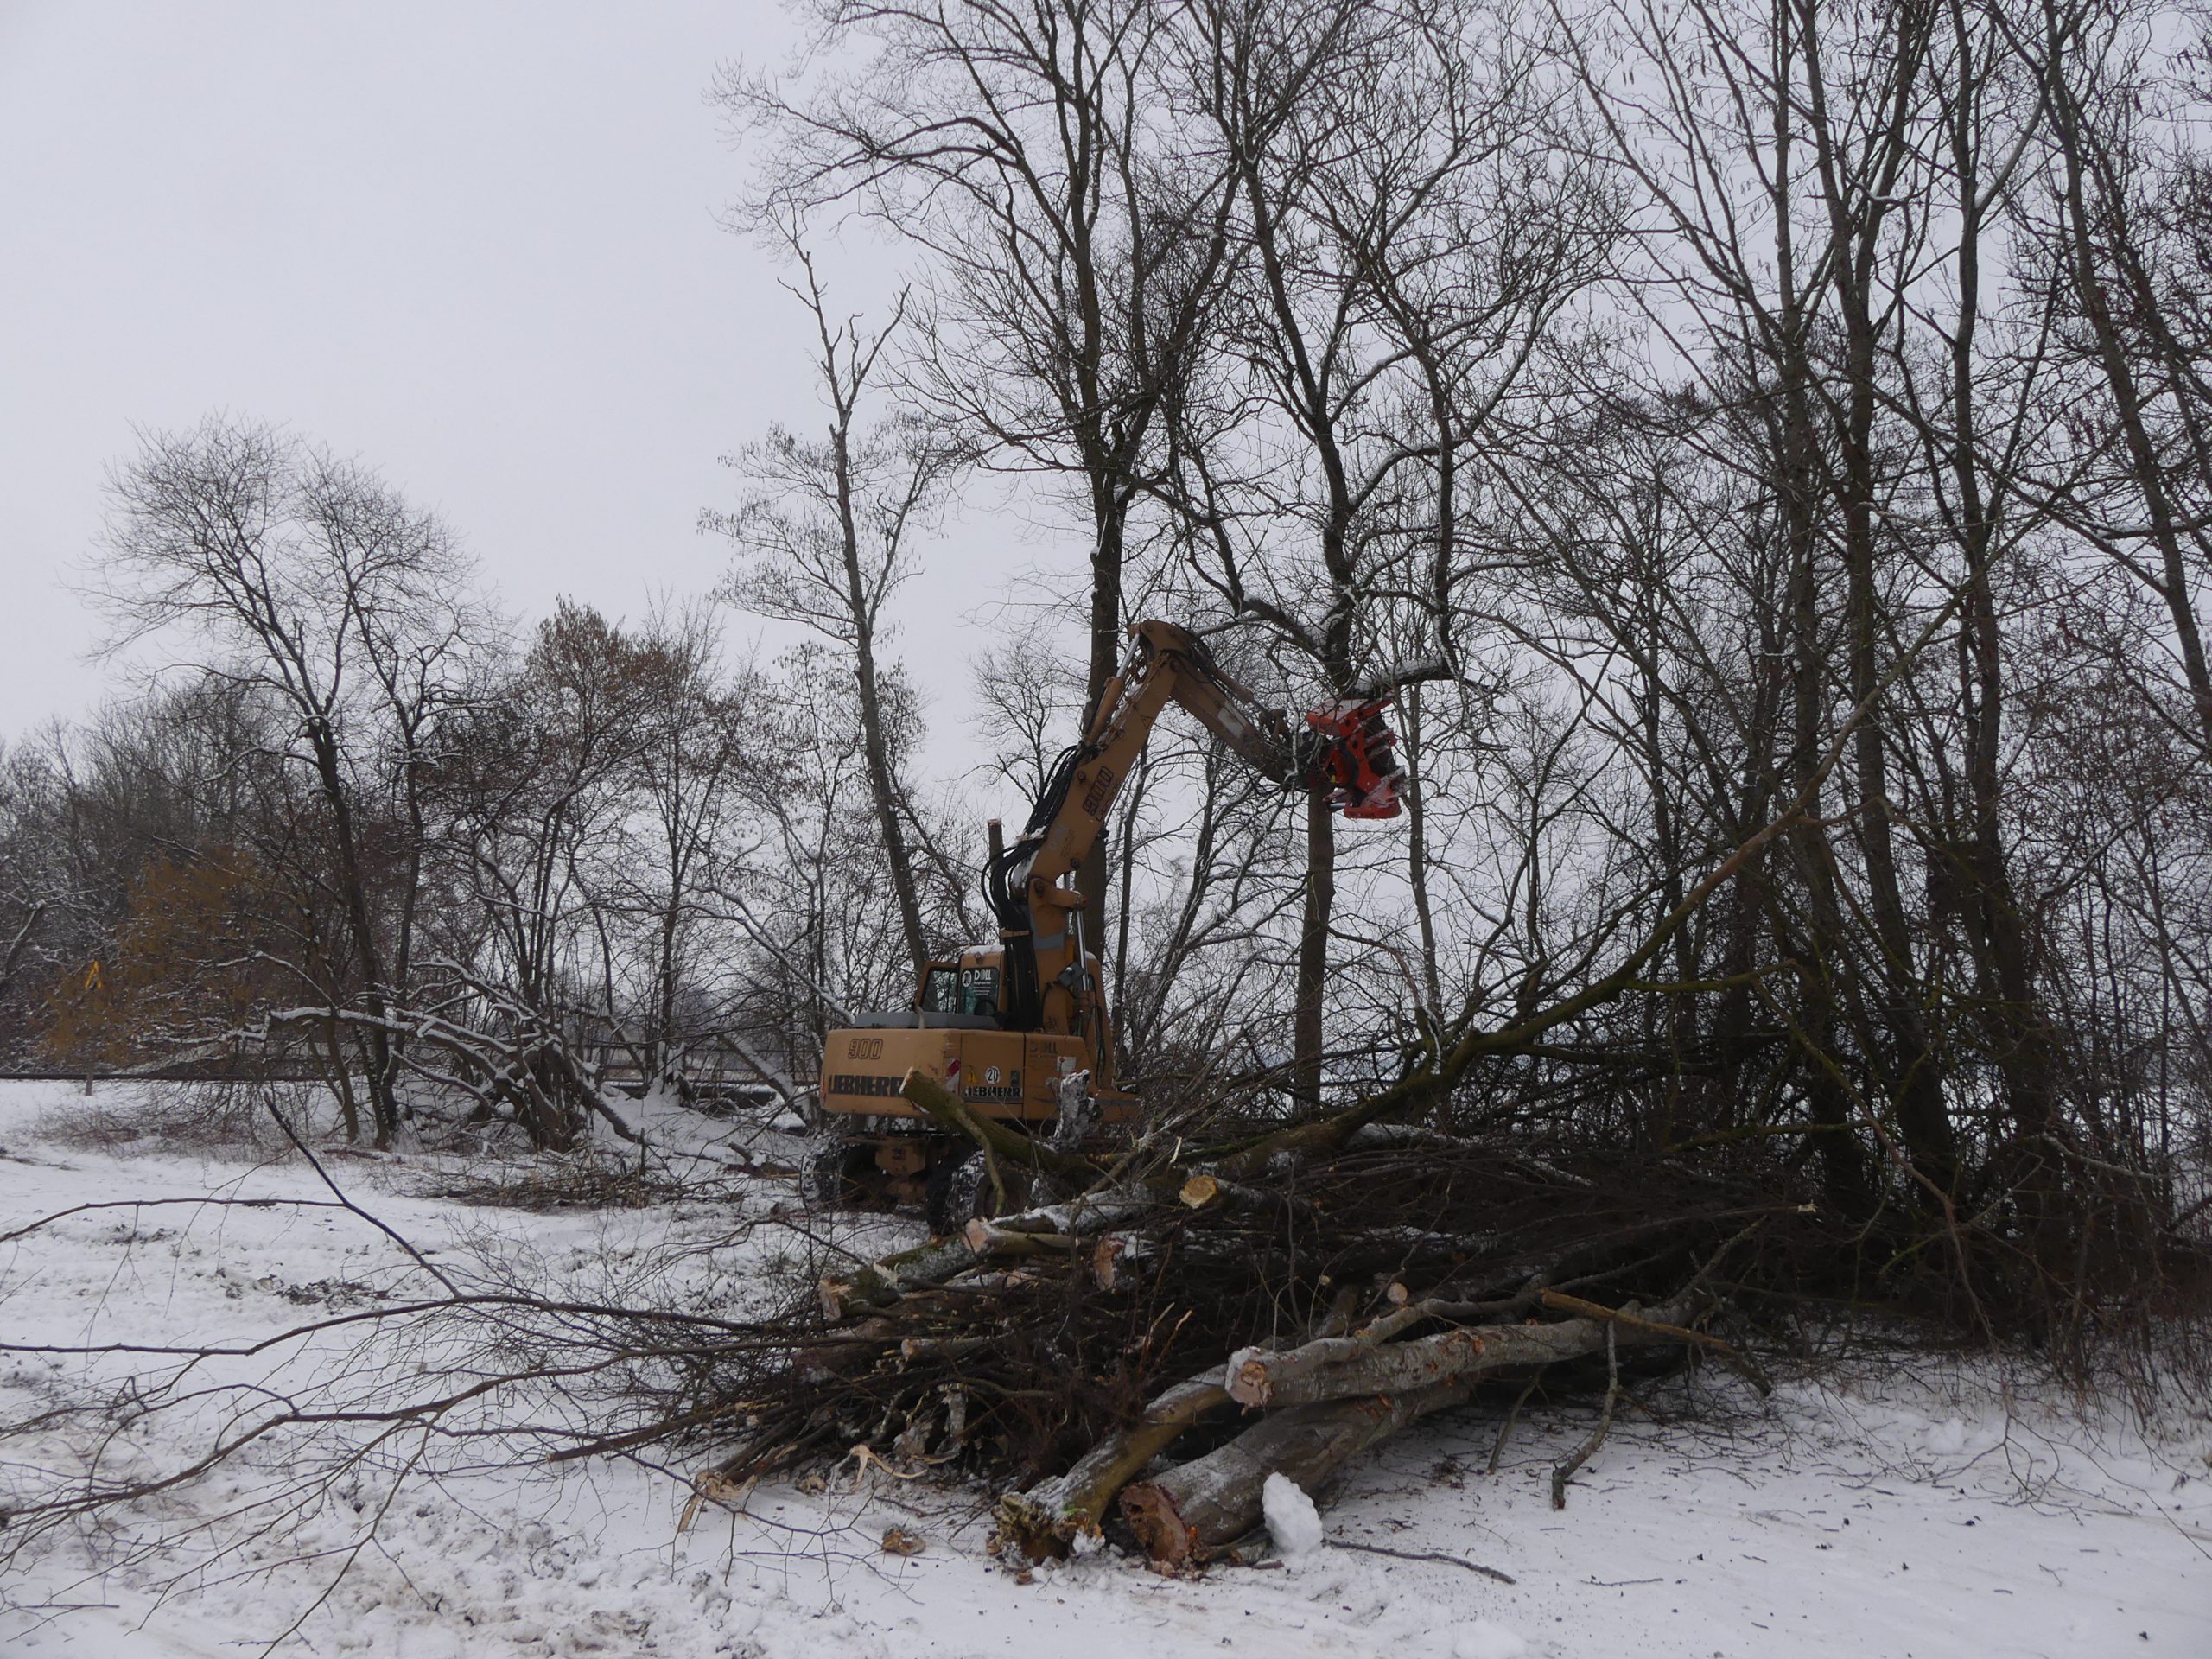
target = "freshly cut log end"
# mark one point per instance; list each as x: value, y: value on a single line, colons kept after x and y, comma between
x: 1248, y: 1384
x: 1197, y: 1509
x: 1200, y: 1190
x: 1048, y: 1518
x: 1169, y: 1540
x: 1333, y: 1399
x: 1105, y: 1260
x: 1335, y: 1368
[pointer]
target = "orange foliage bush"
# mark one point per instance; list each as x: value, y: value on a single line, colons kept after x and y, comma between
x: 185, y: 966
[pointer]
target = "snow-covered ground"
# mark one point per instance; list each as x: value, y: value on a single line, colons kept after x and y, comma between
x: 1916, y: 1515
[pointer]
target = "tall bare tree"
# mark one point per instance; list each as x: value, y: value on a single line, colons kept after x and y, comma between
x: 279, y: 568
x: 1376, y: 337
x: 1074, y: 237
x: 825, y: 537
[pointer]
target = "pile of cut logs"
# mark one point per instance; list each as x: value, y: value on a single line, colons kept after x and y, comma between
x: 1137, y: 1350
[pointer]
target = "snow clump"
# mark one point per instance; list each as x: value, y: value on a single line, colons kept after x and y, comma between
x: 1484, y: 1640
x: 1293, y: 1521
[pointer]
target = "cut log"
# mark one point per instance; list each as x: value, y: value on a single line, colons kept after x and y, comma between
x: 1042, y: 1521
x: 1338, y: 1396
x: 1051, y: 1230
x: 1345, y: 1366
x: 1206, y: 1190
x: 986, y: 1239
x: 1339, y: 1367
x: 875, y: 1284
x: 949, y: 1111
x: 1194, y: 1511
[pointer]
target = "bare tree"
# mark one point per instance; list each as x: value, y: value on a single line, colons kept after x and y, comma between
x: 36, y: 893
x: 1029, y: 693
x: 694, y: 768
x: 530, y: 796
x: 1075, y: 238
x: 825, y: 537
x: 1372, y: 343
x: 281, y: 568
x: 2108, y: 187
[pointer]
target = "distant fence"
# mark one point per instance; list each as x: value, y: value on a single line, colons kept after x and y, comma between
x: 723, y: 1076
x: 728, y: 1077
x: 180, y: 1071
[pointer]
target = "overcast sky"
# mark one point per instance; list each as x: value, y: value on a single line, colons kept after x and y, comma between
x: 474, y: 244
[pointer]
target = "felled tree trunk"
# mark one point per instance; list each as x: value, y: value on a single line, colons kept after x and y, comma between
x: 1336, y: 1397
x: 875, y: 1285
x: 1195, y: 1509
x: 1043, y: 1521
x: 1346, y: 1367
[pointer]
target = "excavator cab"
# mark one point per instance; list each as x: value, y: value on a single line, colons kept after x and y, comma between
x: 1348, y: 752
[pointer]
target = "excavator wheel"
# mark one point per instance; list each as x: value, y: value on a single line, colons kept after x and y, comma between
x: 957, y: 1191
x: 826, y: 1174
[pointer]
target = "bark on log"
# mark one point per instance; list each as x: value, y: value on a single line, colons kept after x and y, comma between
x: 1346, y: 1366
x: 1051, y: 1230
x: 984, y: 1238
x: 1339, y: 1367
x: 875, y: 1284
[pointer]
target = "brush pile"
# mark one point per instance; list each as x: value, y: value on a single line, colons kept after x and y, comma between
x: 1154, y: 1335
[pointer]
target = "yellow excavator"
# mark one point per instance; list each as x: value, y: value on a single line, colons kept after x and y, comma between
x: 1020, y: 1030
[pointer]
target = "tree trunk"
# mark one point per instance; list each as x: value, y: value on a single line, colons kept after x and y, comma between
x: 2021, y: 1050
x: 2128, y: 409
x: 1044, y: 1519
x: 1200, y: 1508
x: 1413, y: 791
x: 1109, y: 515
x: 341, y: 1080
x: 376, y: 1039
x: 1858, y: 207
x: 882, y: 785
x: 1307, y: 1035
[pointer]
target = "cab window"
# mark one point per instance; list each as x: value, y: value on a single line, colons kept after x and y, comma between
x: 940, y: 992
x: 979, y: 991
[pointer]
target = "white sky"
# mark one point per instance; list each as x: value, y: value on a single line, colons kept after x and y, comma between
x: 474, y: 244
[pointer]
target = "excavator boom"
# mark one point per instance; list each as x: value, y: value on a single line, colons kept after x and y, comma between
x: 1344, y: 750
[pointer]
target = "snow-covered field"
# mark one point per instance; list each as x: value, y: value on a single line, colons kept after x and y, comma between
x: 1907, y: 1514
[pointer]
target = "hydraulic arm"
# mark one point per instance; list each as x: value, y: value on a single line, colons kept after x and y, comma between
x: 1343, y: 749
